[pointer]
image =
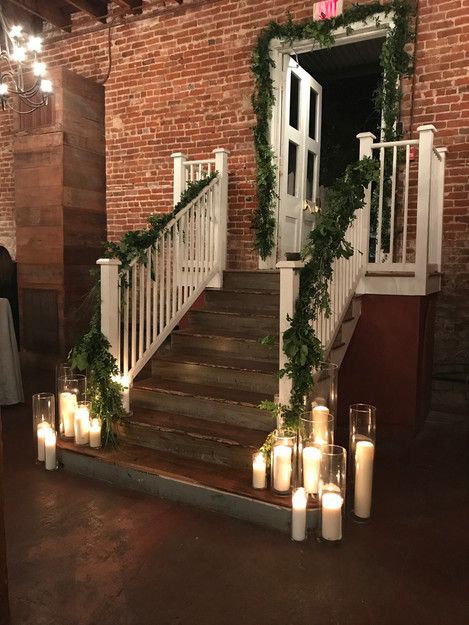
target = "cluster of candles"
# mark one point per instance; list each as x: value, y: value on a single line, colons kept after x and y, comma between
x: 317, y: 468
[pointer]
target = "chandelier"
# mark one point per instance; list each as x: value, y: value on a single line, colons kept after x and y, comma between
x: 23, y: 83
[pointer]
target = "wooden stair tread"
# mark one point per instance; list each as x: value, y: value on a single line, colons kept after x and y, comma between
x: 234, y: 313
x: 198, y: 428
x: 217, y: 393
x: 218, y: 333
x: 247, y: 291
x: 183, y: 469
x: 216, y: 360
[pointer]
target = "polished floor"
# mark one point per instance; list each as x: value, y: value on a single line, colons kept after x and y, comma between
x: 83, y: 553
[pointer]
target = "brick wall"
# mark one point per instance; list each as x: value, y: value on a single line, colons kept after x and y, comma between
x: 181, y: 81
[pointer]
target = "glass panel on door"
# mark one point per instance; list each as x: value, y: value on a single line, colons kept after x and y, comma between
x: 311, y: 161
x: 294, y: 101
x: 313, y: 98
x: 292, y: 165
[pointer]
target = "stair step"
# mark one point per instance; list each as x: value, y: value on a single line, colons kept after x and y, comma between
x: 265, y: 279
x: 252, y: 325
x: 217, y: 370
x: 212, y: 403
x: 185, y: 480
x: 218, y: 342
x: 217, y: 443
x: 242, y: 300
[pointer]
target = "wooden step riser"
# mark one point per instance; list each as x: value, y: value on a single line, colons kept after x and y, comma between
x: 226, y: 300
x: 204, y: 408
x: 188, y: 446
x: 219, y: 345
x: 251, y: 326
x: 195, y: 373
x: 258, y: 280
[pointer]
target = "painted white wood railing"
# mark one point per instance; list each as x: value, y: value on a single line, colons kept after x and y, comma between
x: 412, y: 261
x: 142, y: 304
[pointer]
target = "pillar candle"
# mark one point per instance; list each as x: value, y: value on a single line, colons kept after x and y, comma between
x: 82, y: 425
x: 364, y: 456
x: 95, y: 433
x: 311, y: 461
x: 41, y: 432
x: 332, y: 516
x: 320, y: 424
x: 259, y: 471
x: 50, y: 443
x: 298, y: 519
x: 67, y: 408
x: 282, y: 468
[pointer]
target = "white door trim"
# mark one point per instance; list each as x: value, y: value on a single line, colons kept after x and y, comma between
x: 279, y: 50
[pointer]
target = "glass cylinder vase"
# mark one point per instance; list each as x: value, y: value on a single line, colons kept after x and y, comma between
x: 314, y: 432
x: 71, y: 391
x: 332, y: 487
x: 82, y: 422
x: 43, y: 418
x: 283, y: 461
x: 324, y: 389
x: 361, y: 457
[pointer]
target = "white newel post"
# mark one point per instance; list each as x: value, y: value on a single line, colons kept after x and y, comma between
x: 366, y: 141
x: 179, y: 175
x: 289, y: 289
x: 426, y: 134
x: 110, y: 302
x: 440, y: 204
x: 221, y: 232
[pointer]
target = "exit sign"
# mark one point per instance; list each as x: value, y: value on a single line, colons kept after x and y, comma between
x: 326, y: 9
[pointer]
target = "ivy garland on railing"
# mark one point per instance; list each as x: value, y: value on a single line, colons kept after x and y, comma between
x: 395, y: 62
x: 91, y: 352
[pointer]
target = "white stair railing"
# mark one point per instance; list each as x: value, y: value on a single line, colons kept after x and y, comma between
x: 143, y: 303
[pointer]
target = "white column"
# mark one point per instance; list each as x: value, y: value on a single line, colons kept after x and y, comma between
x: 366, y: 141
x: 221, y: 231
x: 110, y: 302
x: 179, y: 175
x: 423, y: 204
x: 289, y: 288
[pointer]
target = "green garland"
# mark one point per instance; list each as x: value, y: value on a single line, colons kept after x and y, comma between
x: 91, y: 352
x: 394, y: 60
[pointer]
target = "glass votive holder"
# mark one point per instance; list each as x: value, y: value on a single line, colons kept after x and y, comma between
x: 43, y: 405
x: 259, y: 470
x: 96, y: 426
x: 283, y: 461
x: 332, y: 486
x: 299, y: 504
x: 324, y: 389
x: 71, y: 391
x: 50, y: 449
x: 362, y: 446
x: 82, y: 423
x: 317, y: 426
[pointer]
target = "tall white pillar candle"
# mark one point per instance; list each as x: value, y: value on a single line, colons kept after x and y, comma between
x: 259, y: 469
x: 298, y: 512
x: 82, y: 425
x: 311, y: 462
x: 364, y: 456
x: 282, y: 468
x: 67, y: 408
x: 50, y: 445
x: 320, y: 424
x: 95, y: 433
x: 41, y: 432
x: 331, y: 516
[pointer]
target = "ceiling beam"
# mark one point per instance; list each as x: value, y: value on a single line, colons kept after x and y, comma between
x: 48, y: 11
x: 95, y: 8
x: 135, y: 6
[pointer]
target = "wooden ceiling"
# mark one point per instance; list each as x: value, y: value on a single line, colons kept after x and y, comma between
x: 59, y: 12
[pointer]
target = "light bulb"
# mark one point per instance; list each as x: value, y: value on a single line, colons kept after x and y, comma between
x: 39, y: 69
x: 15, y: 31
x: 18, y: 54
x: 34, y: 44
x: 46, y: 85
x: 3, y: 89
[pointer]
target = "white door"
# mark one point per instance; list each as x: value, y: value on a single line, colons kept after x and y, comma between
x: 299, y: 157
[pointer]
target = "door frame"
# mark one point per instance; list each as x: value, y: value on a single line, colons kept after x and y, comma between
x: 279, y: 51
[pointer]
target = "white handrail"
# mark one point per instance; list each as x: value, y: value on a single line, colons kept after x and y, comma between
x: 144, y: 302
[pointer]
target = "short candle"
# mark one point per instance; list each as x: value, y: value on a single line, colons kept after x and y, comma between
x: 311, y: 462
x: 50, y: 444
x: 364, y: 456
x: 82, y: 425
x: 95, y: 433
x: 331, y: 516
x: 259, y: 469
x: 298, y: 520
x: 282, y: 468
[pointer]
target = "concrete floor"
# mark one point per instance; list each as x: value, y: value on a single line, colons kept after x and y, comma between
x: 81, y: 552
